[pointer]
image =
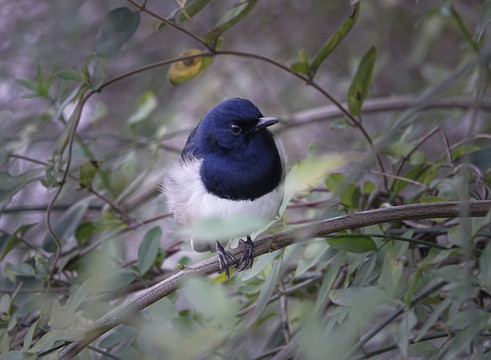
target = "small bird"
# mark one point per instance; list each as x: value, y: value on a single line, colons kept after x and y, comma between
x: 231, y: 165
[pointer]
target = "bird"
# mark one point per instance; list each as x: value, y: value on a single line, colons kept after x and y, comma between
x: 231, y: 165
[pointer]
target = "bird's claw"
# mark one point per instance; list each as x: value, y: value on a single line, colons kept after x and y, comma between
x: 222, y: 259
x: 247, y: 258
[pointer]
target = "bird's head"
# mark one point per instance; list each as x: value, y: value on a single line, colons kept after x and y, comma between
x: 232, y: 125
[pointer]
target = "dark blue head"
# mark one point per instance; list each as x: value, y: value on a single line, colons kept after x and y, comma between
x: 232, y: 126
x: 240, y: 158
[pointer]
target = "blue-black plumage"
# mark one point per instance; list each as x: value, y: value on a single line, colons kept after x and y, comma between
x: 230, y: 165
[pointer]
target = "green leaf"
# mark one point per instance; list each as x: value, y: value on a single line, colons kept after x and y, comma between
x: 485, y: 18
x: 485, y: 265
x: 422, y: 350
x: 70, y: 75
x: 345, y: 189
x: 191, y: 10
x: 149, y: 248
x: 68, y: 222
x: 355, y: 243
x: 121, y: 334
x: 87, y: 172
x: 47, y: 341
x: 356, y: 296
x: 10, y: 185
x: 231, y: 17
x: 301, y: 67
x: 121, y: 24
x: 23, y: 269
x: 266, y: 291
x: 148, y: 102
x: 338, y: 124
x: 13, y: 240
x: 29, y: 335
x: 210, y: 300
x: 85, y: 230
x: 334, y: 40
x: 358, y: 89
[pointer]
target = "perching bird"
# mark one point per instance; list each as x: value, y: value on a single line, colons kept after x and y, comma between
x: 230, y: 165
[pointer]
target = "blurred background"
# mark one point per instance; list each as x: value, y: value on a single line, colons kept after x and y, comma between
x: 431, y: 77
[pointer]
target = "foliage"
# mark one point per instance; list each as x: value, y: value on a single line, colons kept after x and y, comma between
x: 402, y: 289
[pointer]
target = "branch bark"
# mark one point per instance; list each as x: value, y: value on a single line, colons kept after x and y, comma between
x: 274, y: 242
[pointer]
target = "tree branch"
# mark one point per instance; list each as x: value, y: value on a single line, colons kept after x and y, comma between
x: 274, y: 242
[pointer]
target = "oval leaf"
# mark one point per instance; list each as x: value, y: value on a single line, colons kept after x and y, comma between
x: 231, y: 17
x: 359, y: 87
x: 149, y: 248
x: 334, y: 40
x: 184, y: 70
x: 70, y: 75
x: 355, y: 243
x: 120, y: 26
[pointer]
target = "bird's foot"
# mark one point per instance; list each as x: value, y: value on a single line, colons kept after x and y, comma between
x: 247, y: 258
x: 222, y: 259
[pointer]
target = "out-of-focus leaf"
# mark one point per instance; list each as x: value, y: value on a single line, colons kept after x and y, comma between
x: 355, y: 296
x: 229, y: 19
x: 48, y: 340
x: 433, y: 318
x: 121, y: 24
x: 355, y: 243
x: 480, y: 157
x: 308, y: 173
x: 327, y: 282
x: 184, y: 70
x: 391, y: 272
x: 212, y: 229
x: 148, y: 102
x: 210, y: 300
x: 301, y: 67
x: 191, y: 10
x: 485, y: 18
x: 68, y: 222
x: 78, y: 296
x: 70, y: 75
x: 422, y: 350
x: 87, y: 172
x: 116, y: 337
x: 400, y: 150
x: 10, y: 185
x: 485, y: 265
x: 13, y: 240
x: 338, y: 124
x: 84, y: 231
x: 358, y: 89
x: 163, y: 310
x: 29, y: 335
x: 266, y: 292
x: 403, y: 332
x: 148, y: 249
x: 334, y: 40
x: 345, y: 189
x: 118, y: 279
x: 23, y: 269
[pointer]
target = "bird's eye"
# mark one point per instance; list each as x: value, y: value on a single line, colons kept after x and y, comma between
x: 235, y: 128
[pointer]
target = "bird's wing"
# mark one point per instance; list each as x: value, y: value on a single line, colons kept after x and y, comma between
x: 191, y: 149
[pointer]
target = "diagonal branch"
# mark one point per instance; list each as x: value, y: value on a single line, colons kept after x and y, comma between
x: 274, y: 242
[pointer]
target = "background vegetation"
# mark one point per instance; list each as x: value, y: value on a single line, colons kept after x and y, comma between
x: 382, y: 250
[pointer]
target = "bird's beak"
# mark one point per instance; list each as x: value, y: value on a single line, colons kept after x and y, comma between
x: 263, y: 123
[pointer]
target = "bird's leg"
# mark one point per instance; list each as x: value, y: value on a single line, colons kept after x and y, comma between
x: 248, y: 256
x: 222, y: 259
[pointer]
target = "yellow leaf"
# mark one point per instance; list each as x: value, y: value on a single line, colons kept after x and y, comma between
x: 184, y: 70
